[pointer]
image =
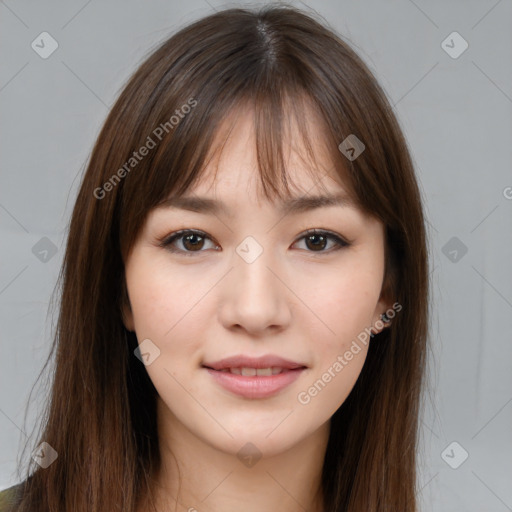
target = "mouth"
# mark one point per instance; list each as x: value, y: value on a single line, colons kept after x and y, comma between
x: 254, y: 377
x: 256, y: 372
x: 270, y: 362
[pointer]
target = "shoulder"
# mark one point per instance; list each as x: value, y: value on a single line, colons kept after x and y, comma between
x: 10, y: 496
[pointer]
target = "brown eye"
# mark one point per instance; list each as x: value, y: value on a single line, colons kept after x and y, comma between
x: 317, y: 241
x: 188, y: 242
x: 191, y: 241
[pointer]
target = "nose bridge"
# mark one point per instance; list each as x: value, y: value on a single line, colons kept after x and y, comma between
x: 255, y: 298
x: 252, y: 271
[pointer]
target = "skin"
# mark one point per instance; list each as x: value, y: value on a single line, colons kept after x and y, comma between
x: 300, y: 302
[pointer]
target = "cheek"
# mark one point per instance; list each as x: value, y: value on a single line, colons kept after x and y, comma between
x: 172, y: 321
x: 169, y: 309
x: 342, y: 305
x: 160, y: 300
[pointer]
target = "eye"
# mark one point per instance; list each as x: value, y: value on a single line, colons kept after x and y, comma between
x: 317, y: 240
x: 191, y: 240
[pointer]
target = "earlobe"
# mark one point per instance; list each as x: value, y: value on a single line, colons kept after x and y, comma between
x: 127, y: 315
x: 382, y: 320
x: 384, y: 310
x: 126, y: 311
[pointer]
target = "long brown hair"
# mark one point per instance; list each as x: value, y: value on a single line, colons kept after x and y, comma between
x: 100, y: 416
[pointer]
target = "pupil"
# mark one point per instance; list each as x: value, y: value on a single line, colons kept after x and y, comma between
x: 311, y: 239
x: 194, y: 244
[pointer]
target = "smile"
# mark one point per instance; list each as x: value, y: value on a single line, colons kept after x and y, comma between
x: 255, y: 383
x: 250, y: 372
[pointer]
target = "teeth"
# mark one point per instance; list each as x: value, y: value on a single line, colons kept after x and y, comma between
x: 264, y: 371
x: 253, y: 372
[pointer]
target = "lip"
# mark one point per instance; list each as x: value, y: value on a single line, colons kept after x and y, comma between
x: 266, y: 361
x: 256, y: 386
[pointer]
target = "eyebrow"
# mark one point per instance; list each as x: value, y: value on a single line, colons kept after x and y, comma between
x: 289, y: 206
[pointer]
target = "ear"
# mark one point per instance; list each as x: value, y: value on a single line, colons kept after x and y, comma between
x: 385, y: 304
x: 126, y: 310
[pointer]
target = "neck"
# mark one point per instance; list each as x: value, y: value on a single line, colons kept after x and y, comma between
x: 213, y: 480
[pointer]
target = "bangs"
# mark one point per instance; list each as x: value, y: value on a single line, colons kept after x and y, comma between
x: 303, y: 101
x: 285, y: 121
x: 279, y: 129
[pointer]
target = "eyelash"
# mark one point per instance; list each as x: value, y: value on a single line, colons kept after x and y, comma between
x: 166, y: 243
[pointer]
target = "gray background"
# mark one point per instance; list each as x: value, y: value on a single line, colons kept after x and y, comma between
x: 456, y: 115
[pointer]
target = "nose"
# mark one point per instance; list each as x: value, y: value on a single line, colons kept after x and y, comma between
x: 255, y: 297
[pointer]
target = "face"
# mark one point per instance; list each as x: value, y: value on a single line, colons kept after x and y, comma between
x: 249, y: 280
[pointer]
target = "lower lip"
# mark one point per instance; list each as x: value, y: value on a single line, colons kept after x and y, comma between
x: 257, y: 386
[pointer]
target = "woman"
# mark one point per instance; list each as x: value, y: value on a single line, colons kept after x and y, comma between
x: 245, y: 287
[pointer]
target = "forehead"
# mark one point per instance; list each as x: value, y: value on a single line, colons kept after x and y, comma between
x: 233, y: 164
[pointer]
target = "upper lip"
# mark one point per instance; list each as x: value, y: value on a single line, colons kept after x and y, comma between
x: 241, y: 361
